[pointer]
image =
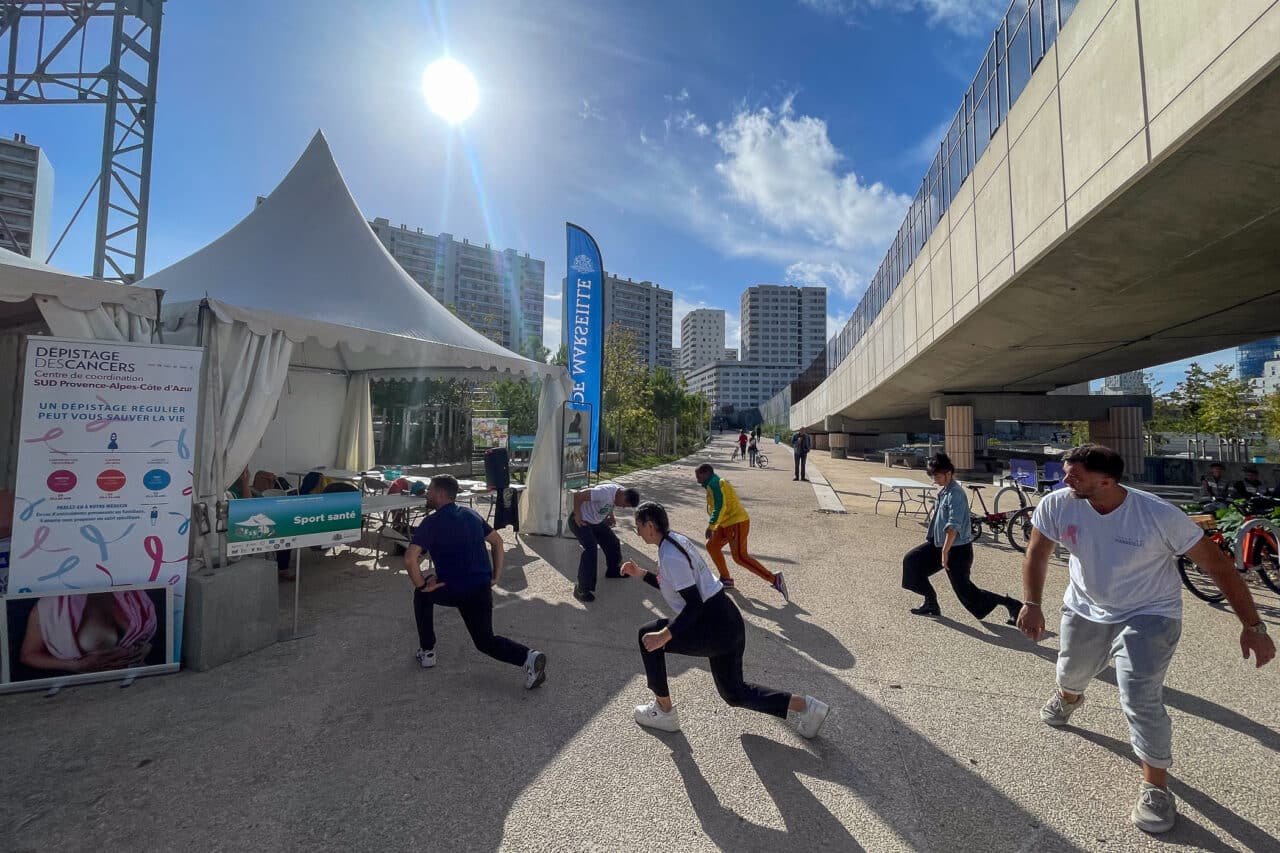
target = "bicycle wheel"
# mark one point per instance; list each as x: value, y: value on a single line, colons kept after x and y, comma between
x: 1260, y: 535
x: 762, y: 460
x: 1012, y: 495
x: 1198, y: 581
x: 1018, y: 529
x: 975, y: 527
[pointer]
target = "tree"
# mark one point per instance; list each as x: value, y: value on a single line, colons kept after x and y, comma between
x: 1271, y: 414
x: 1188, y: 398
x: 668, y: 398
x: 1225, y: 403
x: 1077, y: 430
x: 562, y: 356
x: 534, y: 349
x: 627, y: 399
x: 518, y: 400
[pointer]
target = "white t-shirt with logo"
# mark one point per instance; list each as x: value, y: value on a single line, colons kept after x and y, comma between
x: 676, y: 572
x: 600, y: 505
x: 1123, y: 563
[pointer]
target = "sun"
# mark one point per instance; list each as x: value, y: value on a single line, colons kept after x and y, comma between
x: 450, y: 90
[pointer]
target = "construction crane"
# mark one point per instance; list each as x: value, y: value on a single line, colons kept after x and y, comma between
x: 54, y: 54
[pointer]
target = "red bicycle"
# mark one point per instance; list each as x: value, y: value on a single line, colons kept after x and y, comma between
x: 1253, y: 547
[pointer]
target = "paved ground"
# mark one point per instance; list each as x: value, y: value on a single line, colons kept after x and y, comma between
x: 340, y: 742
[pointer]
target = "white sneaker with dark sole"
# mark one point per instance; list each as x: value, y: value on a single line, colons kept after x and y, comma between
x: 1156, y: 810
x: 809, y: 721
x: 653, y: 717
x: 426, y: 659
x: 535, y: 669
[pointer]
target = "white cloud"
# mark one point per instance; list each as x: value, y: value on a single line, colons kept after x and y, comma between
x: 835, y: 322
x: 966, y: 17
x: 590, y: 111
x: 551, y: 329
x: 784, y: 167
x: 834, y: 276
x: 678, y: 98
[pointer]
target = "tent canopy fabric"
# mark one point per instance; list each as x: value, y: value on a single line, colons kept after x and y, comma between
x: 52, y: 293
x: 306, y: 263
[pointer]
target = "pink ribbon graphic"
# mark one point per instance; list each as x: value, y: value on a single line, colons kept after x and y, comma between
x: 155, y: 550
x: 42, y: 536
x: 49, y: 437
x: 99, y: 425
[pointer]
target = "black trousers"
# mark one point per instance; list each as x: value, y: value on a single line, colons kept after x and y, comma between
x: 721, y: 637
x: 800, y: 459
x: 476, y: 608
x: 925, y: 560
x: 591, y: 535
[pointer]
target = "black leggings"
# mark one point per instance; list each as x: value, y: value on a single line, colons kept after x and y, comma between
x: 720, y: 636
x: 926, y: 559
x: 476, y: 608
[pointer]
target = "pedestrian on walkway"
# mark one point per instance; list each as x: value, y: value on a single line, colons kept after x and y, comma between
x: 706, y: 624
x: 728, y: 523
x: 1124, y: 599
x: 949, y: 548
x: 462, y: 577
x: 753, y: 447
x: 742, y: 443
x: 800, y: 445
x: 592, y: 521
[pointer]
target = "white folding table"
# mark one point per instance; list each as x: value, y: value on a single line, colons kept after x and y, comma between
x: 912, y: 496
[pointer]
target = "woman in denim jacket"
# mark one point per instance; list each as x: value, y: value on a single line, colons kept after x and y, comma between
x: 950, y: 548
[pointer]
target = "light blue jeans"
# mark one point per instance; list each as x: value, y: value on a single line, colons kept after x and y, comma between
x: 1142, y: 647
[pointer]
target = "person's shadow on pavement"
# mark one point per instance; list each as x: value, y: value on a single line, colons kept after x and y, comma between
x: 1011, y: 638
x: 801, y: 635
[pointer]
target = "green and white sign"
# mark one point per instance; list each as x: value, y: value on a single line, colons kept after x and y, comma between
x: 259, y: 525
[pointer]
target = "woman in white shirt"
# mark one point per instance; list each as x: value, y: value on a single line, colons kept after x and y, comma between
x: 707, y: 624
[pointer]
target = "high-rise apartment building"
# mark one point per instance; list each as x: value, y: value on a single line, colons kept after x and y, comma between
x: 1129, y: 382
x: 497, y: 292
x: 738, y: 386
x: 637, y: 306
x: 1251, y: 357
x: 730, y: 354
x: 783, y: 325
x: 26, y: 198
x: 701, y: 338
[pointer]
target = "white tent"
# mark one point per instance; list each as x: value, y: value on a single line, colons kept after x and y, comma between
x: 299, y: 306
x: 36, y: 298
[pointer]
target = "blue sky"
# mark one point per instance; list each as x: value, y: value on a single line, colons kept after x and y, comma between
x: 708, y: 146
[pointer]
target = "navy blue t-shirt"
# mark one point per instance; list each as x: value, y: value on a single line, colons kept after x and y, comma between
x: 454, y: 537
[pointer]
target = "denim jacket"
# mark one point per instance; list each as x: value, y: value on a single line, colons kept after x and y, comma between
x: 952, y: 511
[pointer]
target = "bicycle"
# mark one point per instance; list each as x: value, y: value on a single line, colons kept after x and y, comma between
x: 1014, y: 487
x: 1017, y: 533
x: 762, y: 461
x: 1253, y: 547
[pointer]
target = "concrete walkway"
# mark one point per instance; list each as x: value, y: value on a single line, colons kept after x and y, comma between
x: 340, y: 742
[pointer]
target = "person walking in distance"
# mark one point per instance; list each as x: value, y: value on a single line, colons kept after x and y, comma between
x: 753, y: 447
x: 742, y: 443
x: 949, y: 548
x: 592, y: 521
x: 463, y: 577
x: 728, y: 523
x: 1124, y: 600
x: 707, y: 624
x: 801, y: 444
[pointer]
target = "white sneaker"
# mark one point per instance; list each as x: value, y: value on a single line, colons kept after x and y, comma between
x: 653, y: 717
x: 810, y: 720
x: 535, y: 669
x: 426, y: 658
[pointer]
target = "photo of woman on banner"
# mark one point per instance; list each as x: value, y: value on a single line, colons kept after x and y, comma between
x: 93, y: 632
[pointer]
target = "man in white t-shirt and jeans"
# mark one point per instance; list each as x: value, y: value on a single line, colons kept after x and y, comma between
x: 592, y: 521
x: 1124, y: 600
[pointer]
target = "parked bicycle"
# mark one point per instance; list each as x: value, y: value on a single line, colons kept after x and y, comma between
x: 762, y: 461
x: 1015, y: 526
x: 1013, y: 491
x: 1250, y: 537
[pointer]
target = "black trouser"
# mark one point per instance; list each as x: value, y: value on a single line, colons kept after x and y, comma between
x: 476, y: 608
x: 800, y: 457
x: 925, y: 560
x: 591, y: 535
x: 751, y: 452
x: 720, y: 636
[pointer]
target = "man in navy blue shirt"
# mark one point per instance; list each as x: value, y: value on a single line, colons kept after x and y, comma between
x: 462, y: 577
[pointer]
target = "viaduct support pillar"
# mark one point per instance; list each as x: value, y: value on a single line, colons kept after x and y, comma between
x: 1122, y: 432
x: 959, y: 436
x: 839, y: 445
